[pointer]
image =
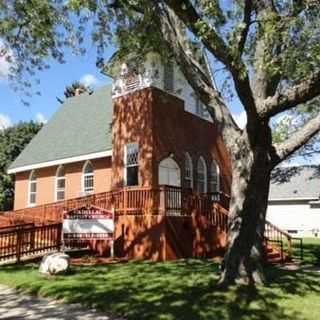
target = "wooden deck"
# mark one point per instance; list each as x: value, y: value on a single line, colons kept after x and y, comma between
x: 38, y: 229
x: 41, y: 225
x: 165, y: 200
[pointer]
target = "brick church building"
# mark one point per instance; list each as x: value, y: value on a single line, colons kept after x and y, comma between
x: 148, y: 129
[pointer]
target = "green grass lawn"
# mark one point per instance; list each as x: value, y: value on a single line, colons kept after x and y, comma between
x: 311, y: 250
x: 174, y: 290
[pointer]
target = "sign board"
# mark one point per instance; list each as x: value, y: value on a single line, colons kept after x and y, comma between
x: 88, y: 223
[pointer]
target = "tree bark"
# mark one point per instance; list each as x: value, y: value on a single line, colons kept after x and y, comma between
x: 249, y: 200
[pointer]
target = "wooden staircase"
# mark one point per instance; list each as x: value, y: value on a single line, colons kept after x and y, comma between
x: 275, y: 255
x: 277, y: 243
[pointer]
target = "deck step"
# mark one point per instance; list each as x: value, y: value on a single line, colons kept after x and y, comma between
x: 273, y: 254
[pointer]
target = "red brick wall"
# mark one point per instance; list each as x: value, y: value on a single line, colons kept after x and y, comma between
x: 140, y: 237
x: 158, y: 122
x: 132, y: 122
x: 158, y: 237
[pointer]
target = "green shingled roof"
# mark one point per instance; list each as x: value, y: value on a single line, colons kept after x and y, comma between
x: 82, y: 125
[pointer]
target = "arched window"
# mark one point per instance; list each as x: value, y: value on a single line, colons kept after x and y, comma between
x: 188, y: 171
x: 32, y: 194
x: 214, y: 177
x: 201, y: 176
x: 169, y: 173
x: 60, y: 184
x: 87, y: 178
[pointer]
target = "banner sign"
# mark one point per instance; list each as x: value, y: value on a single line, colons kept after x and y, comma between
x: 88, y: 223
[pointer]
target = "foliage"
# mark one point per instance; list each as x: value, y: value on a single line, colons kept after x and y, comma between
x: 290, y: 121
x: 34, y: 32
x: 173, y: 290
x: 12, y: 142
x: 74, y: 89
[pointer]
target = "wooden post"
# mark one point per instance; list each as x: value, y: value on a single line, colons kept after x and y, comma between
x: 18, y: 244
x: 59, y: 237
x: 125, y: 200
x: 289, y: 248
x: 112, y: 241
x: 32, y: 237
x: 162, y: 203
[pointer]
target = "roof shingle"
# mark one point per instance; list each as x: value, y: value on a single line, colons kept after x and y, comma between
x: 301, y: 182
x: 81, y: 126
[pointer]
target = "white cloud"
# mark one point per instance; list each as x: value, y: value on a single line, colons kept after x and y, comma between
x: 5, y: 121
x: 89, y: 80
x: 4, y: 63
x: 240, y: 119
x: 40, y: 118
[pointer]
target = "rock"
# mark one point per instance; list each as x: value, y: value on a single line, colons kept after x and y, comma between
x: 55, y: 263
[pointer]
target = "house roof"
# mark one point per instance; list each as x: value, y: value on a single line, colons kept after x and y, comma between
x: 81, y: 126
x: 294, y: 183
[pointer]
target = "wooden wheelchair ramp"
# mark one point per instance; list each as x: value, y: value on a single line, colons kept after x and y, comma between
x: 27, y: 241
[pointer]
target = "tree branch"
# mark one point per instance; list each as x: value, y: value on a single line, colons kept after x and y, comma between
x: 297, y: 140
x: 298, y: 94
x: 266, y: 84
x: 198, y: 80
x: 246, y: 21
x: 216, y: 45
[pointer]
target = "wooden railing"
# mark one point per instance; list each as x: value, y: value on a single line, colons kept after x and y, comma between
x: 130, y: 200
x: 185, y: 201
x: 43, y: 233
x: 219, y: 217
x: 280, y: 238
x: 29, y: 241
x: 17, y: 226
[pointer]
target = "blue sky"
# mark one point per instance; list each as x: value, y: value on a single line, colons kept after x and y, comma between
x: 52, y: 84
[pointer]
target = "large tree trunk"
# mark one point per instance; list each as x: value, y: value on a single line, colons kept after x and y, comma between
x: 249, y: 199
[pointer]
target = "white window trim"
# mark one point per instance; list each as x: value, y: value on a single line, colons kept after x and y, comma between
x: 57, y: 178
x: 84, y: 175
x: 189, y: 159
x: 215, y: 164
x: 29, y: 189
x: 125, y: 166
x: 201, y: 159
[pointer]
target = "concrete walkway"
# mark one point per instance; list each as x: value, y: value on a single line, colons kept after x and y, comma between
x: 16, y: 306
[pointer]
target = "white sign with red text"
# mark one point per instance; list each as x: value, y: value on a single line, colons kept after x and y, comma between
x: 88, y: 223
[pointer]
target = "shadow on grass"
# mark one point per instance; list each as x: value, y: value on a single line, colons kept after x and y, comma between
x: 311, y: 250
x: 170, y: 290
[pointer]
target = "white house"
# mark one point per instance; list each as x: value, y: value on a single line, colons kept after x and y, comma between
x: 294, y: 200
